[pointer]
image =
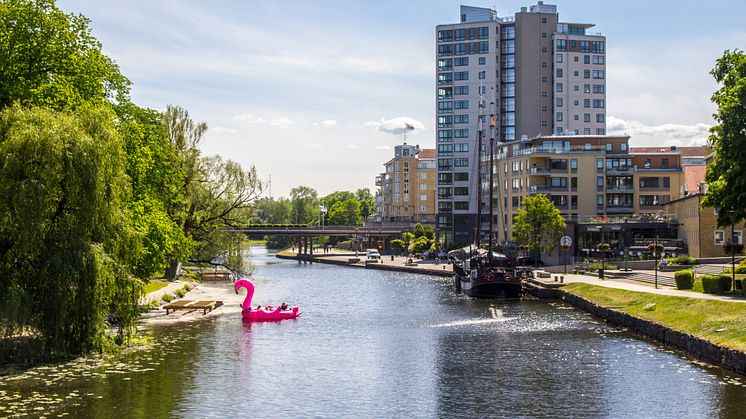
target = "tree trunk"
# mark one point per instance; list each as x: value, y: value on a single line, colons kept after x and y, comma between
x: 173, y: 270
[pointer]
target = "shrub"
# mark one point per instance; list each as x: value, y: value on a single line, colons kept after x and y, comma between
x: 167, y: 298
x: 681, y: 260
x: 180, y: 293
x: 684, y: 279
x: 598, y: 265
x: 716, y: 284
x: 740, y: 269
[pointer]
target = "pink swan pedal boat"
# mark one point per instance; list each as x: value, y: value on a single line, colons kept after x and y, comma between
x: 263, y: 314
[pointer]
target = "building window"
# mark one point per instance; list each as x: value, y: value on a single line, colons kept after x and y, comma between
x: 586, y: 103
x: 666, y: 182
x: 461, y: 61
x: 623, y: 146
x: 646, y: 163
x: 664, y: 163
x: 737, y: 237
x: 423, y: 197
x: 558, y: 58
x: 586, y: 88
x: 558, y: 102
x: 461, y: 75
x: 543, y: 94
x: 461, y: 205
x: 559, y: 116
x: 461, y: 176
x: 460, y: 119
x: 598, y: 88
x: 598, y: 103
x: 586, y: 117
x: 609, y: 146
x: 460, y: 162
x: 461, y: 148
x: 461, y: 133
x: 600, y: 119
x: 482, y: 61
x: 599, y: 201
x: 586, y: 58
x: 559, y: 87
x: 599, y: 74
x: 600, y: 182
x: 573, y: 164
x: 482, y: 75
x: 543, y: 34
x: 600, y: 131
x: 719, y: 237
x: 558, y: 72
x: 461, y: 90
x: 586, y: 131
x: 461, y: 190
x: 600, y: 162
x: 586, y: 74
x: 461, y: 104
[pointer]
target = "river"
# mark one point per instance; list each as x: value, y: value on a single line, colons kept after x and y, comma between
x: 381, y: 344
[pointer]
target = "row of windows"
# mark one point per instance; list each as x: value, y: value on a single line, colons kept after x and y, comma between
x: 597, y: 103
x: 466, y: 34
x: 448, y: 178
x: 447, y: 207
x: 465, y: 48
x: 447, y: 164
x: 596, y: 47
x: 447, y: 149
x: 600, y: 118
x: 449, y: 63
x: 587, y: 59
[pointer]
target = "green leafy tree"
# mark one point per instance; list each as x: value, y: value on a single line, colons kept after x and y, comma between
x: 152, y: 166
x: 51, y: 59
x: 274, y: 211
x: 345, y: 213
x: 218, y: 194
x: 726, y: 173
x: 66, y: 239
x: 367, y: 202
x: 305, y: 202
x: 538, y: 224
x: 424, y: 231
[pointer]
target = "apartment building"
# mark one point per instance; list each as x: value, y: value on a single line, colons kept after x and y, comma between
x: 406, y: 189
x: 529, y: 73
x: 586, y: 177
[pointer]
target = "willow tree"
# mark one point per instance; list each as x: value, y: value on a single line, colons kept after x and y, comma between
x: 726, y: 173
x: 218, y: 195
x: 66, y: 239
x: 538, y: 224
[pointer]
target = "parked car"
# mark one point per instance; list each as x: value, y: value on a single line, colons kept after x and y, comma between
x: 372, y: 254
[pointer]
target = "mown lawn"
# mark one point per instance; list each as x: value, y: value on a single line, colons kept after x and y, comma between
x: 154, y: 286
x: 720, y: 322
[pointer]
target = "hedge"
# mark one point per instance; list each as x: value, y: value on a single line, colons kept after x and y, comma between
x: 681, y: 260
x: 684, y: 279
x: 740, y: 269
x: 716, y: 284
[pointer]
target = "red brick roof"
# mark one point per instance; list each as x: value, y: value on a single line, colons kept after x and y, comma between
x: 699, y: 151
x: 693, y: 176
x: 426, y: 153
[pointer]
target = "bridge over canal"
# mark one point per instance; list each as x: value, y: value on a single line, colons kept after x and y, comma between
x: 362, y: 237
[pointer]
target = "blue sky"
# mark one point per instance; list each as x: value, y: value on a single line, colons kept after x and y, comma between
x: 315, y: 92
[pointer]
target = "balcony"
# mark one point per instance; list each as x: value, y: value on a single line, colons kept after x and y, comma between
x: 620, y: 209
x: 540, y: 189
x: 655, y: 188
x: 620, y: 189
x: 621, y: 170
x: 563, y: 150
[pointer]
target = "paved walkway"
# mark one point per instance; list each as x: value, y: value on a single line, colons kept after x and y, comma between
x: 627, y: 285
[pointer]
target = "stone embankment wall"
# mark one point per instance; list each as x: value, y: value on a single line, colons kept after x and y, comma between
x: 697, y: 347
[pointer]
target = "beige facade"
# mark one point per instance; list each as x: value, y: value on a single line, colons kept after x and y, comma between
x: 585, y: 176
x: 406, y: 193
x: 698, y: 227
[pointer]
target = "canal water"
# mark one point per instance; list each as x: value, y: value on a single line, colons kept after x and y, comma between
x: 381, y: 344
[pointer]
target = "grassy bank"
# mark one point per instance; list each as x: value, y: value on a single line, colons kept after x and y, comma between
x: 154, y: 286
x: 720, y: 322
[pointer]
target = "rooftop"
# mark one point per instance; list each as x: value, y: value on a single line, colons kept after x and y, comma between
x: 695, y: 151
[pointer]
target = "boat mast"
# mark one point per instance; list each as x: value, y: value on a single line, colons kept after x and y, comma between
x: 478, y: 238
x: 493, y: 124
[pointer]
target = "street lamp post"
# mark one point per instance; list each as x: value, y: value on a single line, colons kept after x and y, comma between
x: 656, y: 248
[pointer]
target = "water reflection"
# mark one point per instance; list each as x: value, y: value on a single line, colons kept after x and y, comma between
x: 382, y: 344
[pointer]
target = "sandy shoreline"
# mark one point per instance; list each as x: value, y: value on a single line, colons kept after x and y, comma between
x: 221, y: 291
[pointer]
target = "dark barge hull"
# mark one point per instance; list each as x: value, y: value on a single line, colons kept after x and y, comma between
x: 489, y: 289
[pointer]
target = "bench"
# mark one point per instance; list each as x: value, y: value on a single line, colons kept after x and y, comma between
x: 204, y: 305
x: 216, y: 276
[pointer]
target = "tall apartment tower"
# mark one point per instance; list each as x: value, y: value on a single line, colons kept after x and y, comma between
x: 537, y: 75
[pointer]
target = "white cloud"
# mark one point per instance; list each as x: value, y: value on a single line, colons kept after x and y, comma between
x: 352, y: 146
x: 327, y: 123
x: 282, y: 122
x: 382, y: 147
x: 669, y: 134
x: 397, y: 125
x: 315, y: 146
x: 223, y: 130
x: 251, y: 119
